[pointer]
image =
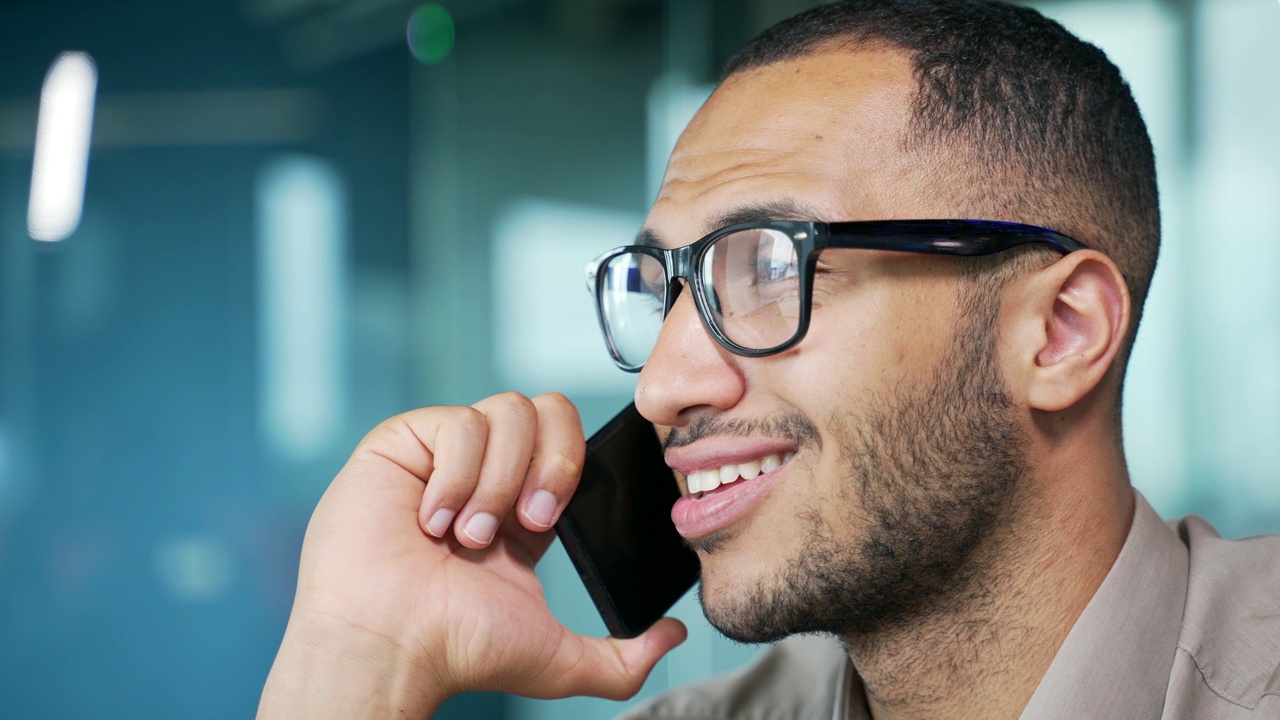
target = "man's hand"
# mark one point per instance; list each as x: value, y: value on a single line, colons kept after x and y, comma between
x: 417, y: 577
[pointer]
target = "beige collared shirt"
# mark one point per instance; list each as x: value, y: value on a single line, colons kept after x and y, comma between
x: 1186, y: 625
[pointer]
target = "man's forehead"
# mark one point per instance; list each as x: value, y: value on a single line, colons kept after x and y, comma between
x: 835, y: 90
x: 814, y: 138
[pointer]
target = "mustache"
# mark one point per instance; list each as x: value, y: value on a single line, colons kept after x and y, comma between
x: 792, y: 426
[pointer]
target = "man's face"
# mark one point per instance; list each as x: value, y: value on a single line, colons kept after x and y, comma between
x: 895, y: 438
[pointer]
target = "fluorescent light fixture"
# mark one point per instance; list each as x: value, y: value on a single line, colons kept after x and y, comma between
x: 302, y: 294
x: 62, y: 147
x: 545, y: 332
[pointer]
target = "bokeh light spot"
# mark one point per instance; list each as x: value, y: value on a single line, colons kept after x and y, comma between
x: 430, y: 33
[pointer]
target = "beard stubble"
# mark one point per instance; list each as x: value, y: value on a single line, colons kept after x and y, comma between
x: 927, y: 474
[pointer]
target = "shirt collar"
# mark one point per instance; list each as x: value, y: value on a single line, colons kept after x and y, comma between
x: 851, y: 699
x: 1117, y: 658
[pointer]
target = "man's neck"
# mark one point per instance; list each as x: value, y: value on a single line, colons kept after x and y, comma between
x: 984, y: 654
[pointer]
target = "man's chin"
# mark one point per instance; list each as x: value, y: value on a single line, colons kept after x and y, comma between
x: 729, y: 611
x: 732, y: 593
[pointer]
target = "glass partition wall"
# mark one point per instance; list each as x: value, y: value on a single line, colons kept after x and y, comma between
x: 276, y: 222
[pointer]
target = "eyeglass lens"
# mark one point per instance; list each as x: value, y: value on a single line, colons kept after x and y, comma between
x: 751, y: 281
x: 632, y: 299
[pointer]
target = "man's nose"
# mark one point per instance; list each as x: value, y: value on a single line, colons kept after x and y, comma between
x: 688, y: 371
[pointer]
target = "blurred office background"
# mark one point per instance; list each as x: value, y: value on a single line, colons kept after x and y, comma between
x: 302, y: 216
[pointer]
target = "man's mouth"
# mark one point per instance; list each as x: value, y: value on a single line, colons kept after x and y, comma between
x: 720, y: 496
x: 704, y: 481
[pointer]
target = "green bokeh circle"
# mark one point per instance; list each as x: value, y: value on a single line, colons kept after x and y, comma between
x: 430, y: 33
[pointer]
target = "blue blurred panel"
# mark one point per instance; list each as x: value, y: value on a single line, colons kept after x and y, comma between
x: 1234, y: 373
x: 1142, y: 38
x: 141, y: 556
x: 148, y: 545
x: 302, y: 292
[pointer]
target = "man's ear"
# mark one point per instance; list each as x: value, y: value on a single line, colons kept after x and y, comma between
x: 1081, y: 305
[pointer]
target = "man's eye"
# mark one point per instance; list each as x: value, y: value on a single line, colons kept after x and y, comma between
x: 778, y: 271
x: 764, y: 270
x: 653, y: 287
x: 652, y: 304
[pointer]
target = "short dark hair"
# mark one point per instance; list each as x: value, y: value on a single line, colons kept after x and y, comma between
x: 1044, y: 128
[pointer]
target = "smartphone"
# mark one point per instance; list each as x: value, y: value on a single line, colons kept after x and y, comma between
x: 617, y: 528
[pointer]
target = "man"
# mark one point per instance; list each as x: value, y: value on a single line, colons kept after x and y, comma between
x: 930, y: 472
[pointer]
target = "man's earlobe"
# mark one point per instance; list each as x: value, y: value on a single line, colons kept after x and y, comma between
x: 1085, y: 324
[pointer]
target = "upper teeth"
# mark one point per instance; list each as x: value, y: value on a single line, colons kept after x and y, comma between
x: 712, y: 478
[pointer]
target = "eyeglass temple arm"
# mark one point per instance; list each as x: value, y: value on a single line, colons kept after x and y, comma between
x: 942, y: 237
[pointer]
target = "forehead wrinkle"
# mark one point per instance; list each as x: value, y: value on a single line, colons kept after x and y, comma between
x: 694, y: 188
x: 753, y: 195
x: 745, y: 193
x: 747, y: 185
x: 789, y: 158
x: 716, y: 167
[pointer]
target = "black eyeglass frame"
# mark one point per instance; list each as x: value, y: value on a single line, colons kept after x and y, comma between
x: 960, y: 238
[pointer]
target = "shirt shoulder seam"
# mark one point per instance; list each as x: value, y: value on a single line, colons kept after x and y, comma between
x: 1209, y: 683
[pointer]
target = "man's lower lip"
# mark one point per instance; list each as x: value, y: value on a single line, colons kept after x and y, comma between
x: 695, y: 518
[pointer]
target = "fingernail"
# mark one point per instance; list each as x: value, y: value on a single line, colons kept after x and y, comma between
x: 481, y: 527
x: 438, y: 525
x: 541, y: 509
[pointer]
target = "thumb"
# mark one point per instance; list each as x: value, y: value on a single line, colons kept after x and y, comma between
x: 612, y: 668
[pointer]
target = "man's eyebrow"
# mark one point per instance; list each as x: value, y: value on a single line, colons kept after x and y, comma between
x: 754, y: 212
x: 648, y: 238
x: 759, y: 212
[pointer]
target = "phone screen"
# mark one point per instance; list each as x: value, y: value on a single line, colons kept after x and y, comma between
x: 617, y: 528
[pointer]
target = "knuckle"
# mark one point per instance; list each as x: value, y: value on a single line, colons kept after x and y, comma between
x: 496, y: 490
x: 557, y: 400
x: 554, y: 397
x: 375, y: 438
x: 501, y: 483
x: 450, y: 489
x: 515, y: 406
x: 471, y: 422
x: 559, y: 469
x: 488, y: 503
x: 385, y: 437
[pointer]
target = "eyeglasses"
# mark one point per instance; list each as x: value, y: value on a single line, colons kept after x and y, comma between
x: 753, y: 283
